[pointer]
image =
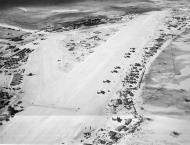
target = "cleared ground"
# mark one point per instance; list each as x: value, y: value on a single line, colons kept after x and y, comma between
x: 62, y: 104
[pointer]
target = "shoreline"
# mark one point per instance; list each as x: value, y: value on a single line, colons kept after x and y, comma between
x: 16, y: 28
x: 108, y: 76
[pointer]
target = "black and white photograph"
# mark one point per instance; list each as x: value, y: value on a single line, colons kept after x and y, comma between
x: 95, y: 72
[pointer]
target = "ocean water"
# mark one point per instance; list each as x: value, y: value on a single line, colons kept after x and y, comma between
x: 36, y: 14
x: 12, y: 3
